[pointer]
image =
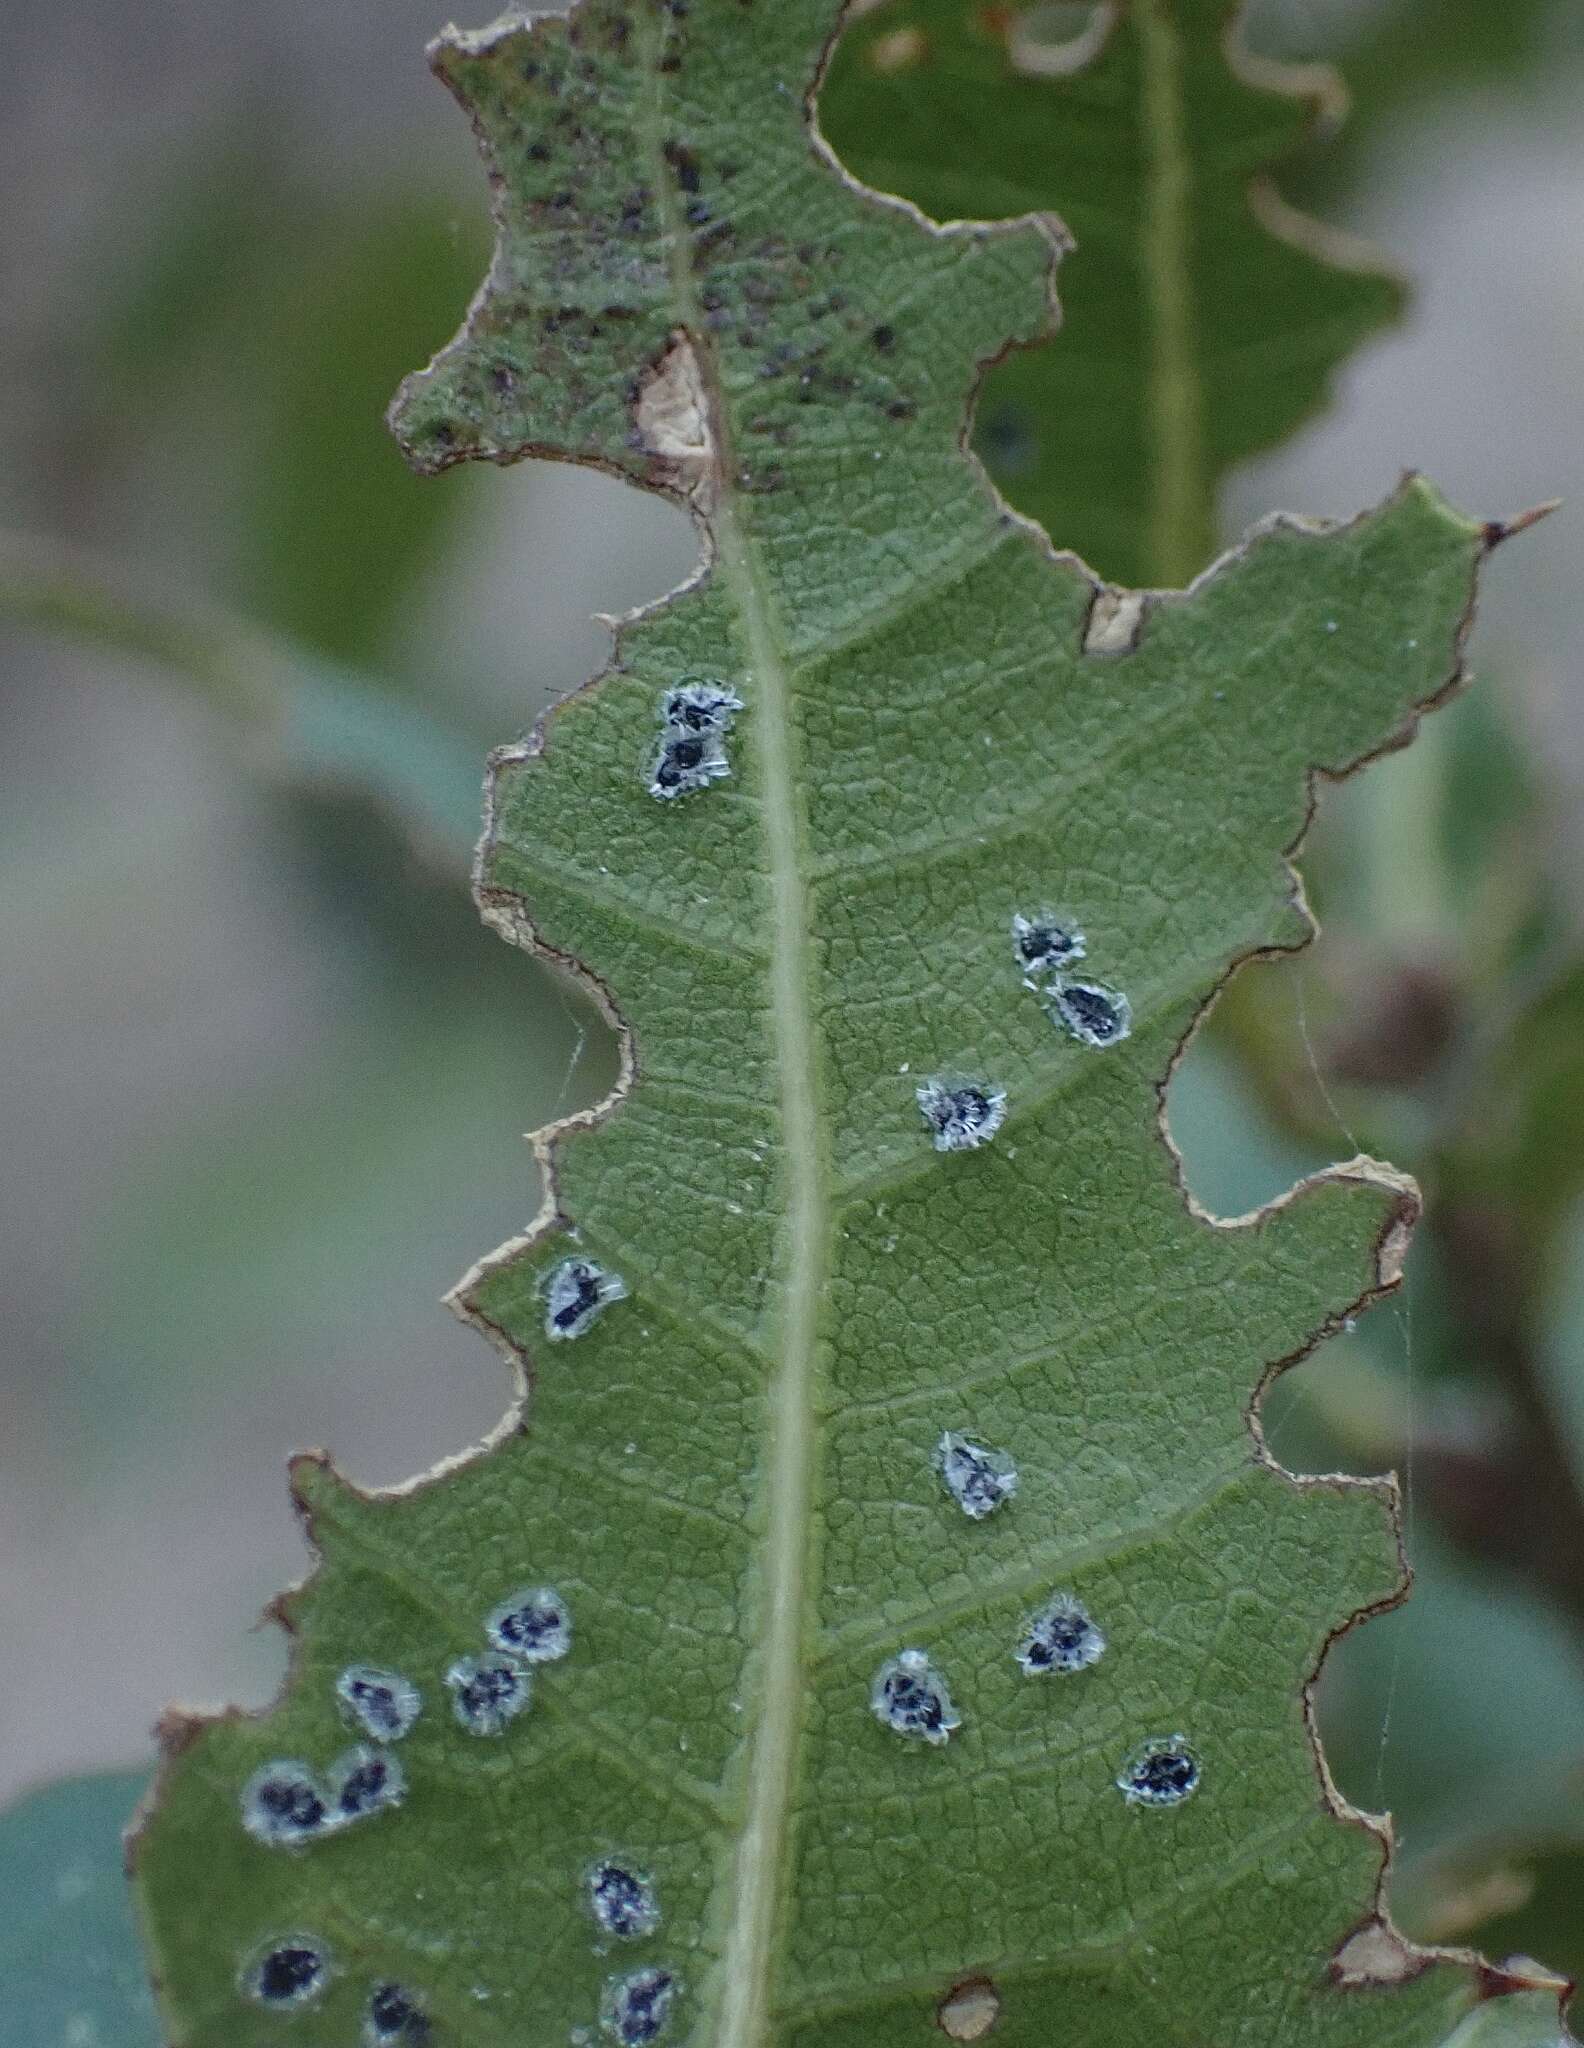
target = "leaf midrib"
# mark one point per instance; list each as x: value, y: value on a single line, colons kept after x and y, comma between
x: 762, y: 1846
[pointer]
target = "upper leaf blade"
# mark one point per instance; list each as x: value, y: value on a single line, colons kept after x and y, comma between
x: 728, y: 1476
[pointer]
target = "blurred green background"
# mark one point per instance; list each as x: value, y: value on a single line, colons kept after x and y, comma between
x: 266, y: 1075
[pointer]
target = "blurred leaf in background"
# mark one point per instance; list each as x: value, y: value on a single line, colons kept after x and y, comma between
x: 1201, y: 319
x: 70, y: 1958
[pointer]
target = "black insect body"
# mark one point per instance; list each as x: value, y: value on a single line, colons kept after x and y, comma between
x: 695, y: 717
x: 487, y: 1692
x: 699, y: 707
x: 366, y: 1781
x: 688, y: 761
x: 383, y: 1703
x: 1044, y: 943
x: 576, y: 1292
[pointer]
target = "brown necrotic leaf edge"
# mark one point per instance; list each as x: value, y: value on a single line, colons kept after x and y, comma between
x: 1374, y: 1954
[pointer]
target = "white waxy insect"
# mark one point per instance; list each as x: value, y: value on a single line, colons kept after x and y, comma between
x: 533, y: 1624
x: 1061, y: 1638
x: 394, y: 2016
x: 1091, y: 1014
x: 364, y: 1782
x: 698, y: 705
x: 909, y: 1697
x: 576, y: 1293
x: 487, y: 1693
x: 622, y: 1899
x: 1164, y: 1771
x: 960, y: 1113
x: 382, y: 1703
x: 1045, y: 943
x: 977, y: 1478
x: 284, y: 1804
x: 687, y: 761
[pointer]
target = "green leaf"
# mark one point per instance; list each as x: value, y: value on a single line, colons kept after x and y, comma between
x: 1203, y: 318
x: 728, y: 1477
x: 71, y: 1975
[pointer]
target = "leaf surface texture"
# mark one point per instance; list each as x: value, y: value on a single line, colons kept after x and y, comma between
x: 729, y: 1477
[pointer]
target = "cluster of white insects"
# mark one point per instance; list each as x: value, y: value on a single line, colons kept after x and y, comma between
x: 962, y: 1112
x: 910, y: 1696
x: 286, y: 1805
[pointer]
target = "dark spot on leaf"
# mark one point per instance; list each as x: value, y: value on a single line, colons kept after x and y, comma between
x: 901, y: 409
x: 884, y: 338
